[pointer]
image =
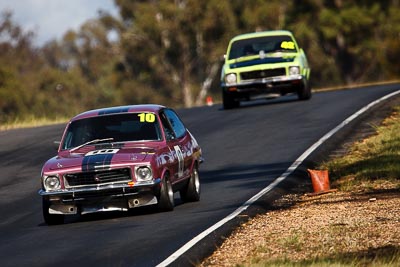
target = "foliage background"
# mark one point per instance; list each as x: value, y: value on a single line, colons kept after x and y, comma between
x: 170, y: 52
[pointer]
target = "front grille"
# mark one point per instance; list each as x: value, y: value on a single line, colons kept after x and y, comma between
x: 97, y: 178
x: 259, y: 74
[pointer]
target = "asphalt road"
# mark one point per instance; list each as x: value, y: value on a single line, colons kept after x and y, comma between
x: 245, y: 149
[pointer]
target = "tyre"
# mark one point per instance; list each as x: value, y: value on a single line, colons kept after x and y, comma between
x: 304, y: 92
x: 166, y: 196
x: 228, y: 101
x: 51, y: 219
x: 191, y: 192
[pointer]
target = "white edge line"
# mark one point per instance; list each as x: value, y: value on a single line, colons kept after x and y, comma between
x: 271, y: 186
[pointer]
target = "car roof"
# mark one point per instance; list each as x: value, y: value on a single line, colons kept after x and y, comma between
x: 259, y: 34
x: 153, y: 108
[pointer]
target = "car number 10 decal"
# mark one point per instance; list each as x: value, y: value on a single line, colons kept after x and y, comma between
x: 147, y: 117
x: 179, y: 155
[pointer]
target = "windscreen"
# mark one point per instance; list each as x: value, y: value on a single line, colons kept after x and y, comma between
x: 266, y: 44
x: 119, y: 127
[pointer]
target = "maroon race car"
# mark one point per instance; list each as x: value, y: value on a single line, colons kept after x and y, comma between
x: 120, y: 158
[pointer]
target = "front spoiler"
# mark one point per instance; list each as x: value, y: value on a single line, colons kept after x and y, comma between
x: 111, y: 197
x: 74, y: 208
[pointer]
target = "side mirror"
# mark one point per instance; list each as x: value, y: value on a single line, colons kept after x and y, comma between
x: 56, y: 145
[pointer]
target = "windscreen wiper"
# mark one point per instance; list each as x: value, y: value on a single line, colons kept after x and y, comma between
x: 92, y: 142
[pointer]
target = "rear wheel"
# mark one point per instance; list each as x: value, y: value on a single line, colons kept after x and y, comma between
x: 192, y: 191
x: 51, y: 219
x: 229, y: 101
x: 166, y: 196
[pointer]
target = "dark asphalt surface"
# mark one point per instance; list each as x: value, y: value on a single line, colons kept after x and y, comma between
x: 245, y: 149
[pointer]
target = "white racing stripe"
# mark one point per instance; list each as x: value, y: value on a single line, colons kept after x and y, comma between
x: 271, y: 186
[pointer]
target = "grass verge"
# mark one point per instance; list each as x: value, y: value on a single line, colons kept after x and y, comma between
x: 370, y: 163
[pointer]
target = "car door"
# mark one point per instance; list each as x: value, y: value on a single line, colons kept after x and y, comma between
x: 178, y: 140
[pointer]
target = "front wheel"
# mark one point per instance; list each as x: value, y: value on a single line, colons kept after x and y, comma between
x: 166, y: 196
x: 51, y: 219
x: 228, y: 101
x: 191, y: 192
x: 304, y: 92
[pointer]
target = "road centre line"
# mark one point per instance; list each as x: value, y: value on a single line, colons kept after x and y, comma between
x: 271, y: 186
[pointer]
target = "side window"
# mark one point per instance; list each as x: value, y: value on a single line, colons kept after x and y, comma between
x: 176, y: 123
x: 169, y: 133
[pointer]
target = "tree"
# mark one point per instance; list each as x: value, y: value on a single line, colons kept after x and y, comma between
x: 90, y: 55
x: 17, y: 57
x: 347, y: 32
x: 175, y: 47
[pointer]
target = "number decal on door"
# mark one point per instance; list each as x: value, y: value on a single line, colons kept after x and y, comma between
x: 179, y: 155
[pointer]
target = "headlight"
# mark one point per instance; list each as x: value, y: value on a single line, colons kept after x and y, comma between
x: 294, y: 70
x: 230, y: 78
x: 51, y: 183
x: 144, y: 174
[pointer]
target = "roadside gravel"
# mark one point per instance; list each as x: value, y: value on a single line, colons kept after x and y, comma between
x: 337, y: 224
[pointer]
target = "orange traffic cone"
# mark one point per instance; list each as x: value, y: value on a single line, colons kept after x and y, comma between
x: 209, y: 101
x: 320, y: 181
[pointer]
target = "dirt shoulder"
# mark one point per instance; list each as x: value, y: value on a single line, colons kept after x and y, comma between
x: 335, y: 225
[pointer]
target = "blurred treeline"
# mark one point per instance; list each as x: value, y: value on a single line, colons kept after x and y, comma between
x: 170, y: 52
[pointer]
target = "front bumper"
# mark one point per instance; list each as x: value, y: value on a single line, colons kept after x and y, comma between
x: 271, y: 84
x: 102, y: 197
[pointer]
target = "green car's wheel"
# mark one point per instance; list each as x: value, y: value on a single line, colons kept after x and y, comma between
x: 228, y: 101
x: 304, y: 92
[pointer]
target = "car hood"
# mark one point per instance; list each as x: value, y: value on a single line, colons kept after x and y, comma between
x: 258, y: 61
x: 94, y: 159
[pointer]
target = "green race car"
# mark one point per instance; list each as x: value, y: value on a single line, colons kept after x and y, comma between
x: 263, y: 64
